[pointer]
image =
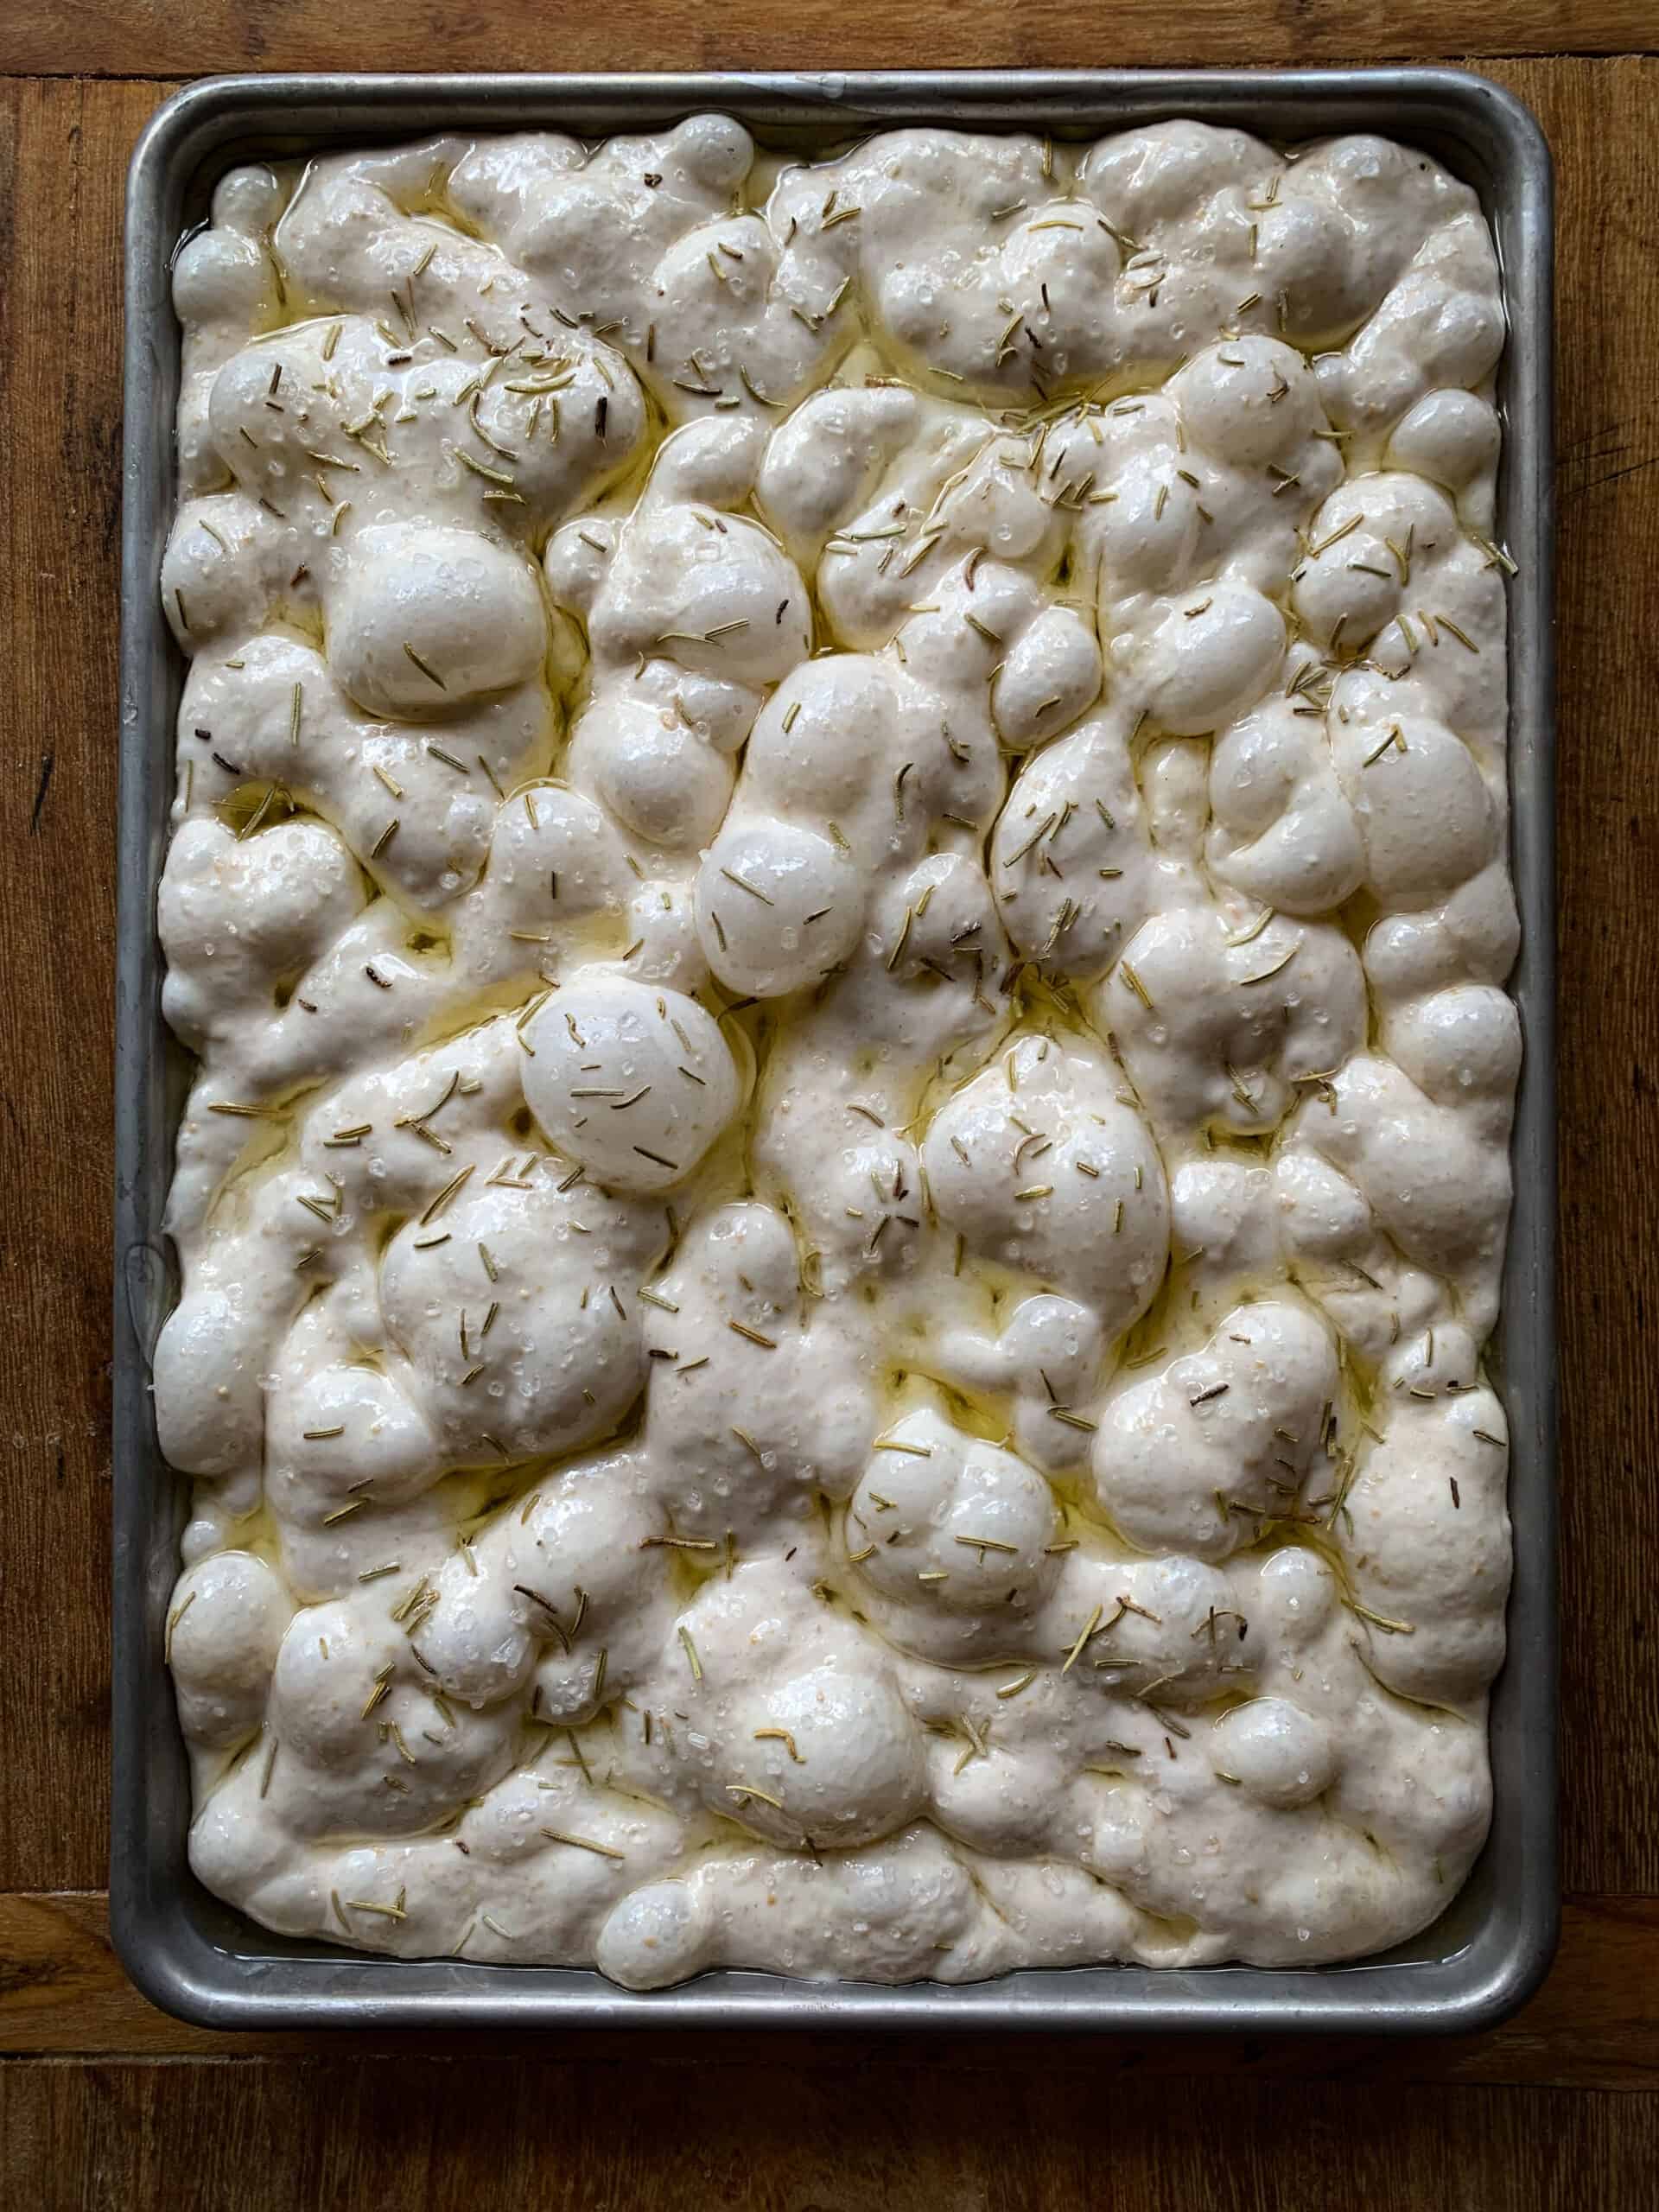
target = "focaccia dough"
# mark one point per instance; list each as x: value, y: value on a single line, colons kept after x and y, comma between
x: 845, y: 1185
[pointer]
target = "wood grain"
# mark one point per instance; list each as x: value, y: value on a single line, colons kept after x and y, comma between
x: 1595, y: 2025
x: 450, y: 2135
x: 154, y: 38
x: 1602, y: 122
x: 63, y: 151
x: 1523, y: 2117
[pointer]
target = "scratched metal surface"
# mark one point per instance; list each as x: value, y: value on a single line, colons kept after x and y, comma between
x: 198, y: 1958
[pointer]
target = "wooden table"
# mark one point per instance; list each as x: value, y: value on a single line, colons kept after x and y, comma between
x: 106, y: 2102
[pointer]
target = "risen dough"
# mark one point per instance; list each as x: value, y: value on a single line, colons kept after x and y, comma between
x: 844, y: 1183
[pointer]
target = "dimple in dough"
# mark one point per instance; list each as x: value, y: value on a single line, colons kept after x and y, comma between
x: 838, y: 879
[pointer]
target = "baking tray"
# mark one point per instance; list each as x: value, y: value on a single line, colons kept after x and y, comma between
x: 199, y: 1958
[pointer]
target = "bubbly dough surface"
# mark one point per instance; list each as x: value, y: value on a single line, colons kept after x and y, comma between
x: 843, y: 1186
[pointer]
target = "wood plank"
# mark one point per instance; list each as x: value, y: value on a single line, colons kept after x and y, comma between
x: 62, y: 153
x: 358, y: 2136
x: 62, y: 148
x: 1602, y: 122
x: 1595, y: 2025
x: 148, y: 38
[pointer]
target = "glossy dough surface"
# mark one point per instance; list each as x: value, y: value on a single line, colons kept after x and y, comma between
x: 838, y: 879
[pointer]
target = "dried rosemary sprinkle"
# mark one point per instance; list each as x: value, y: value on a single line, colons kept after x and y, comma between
x: 1036, y: 838
x: 583, y: 1843
x: 1278, y: 967
x: 754, y: 1336
x: 1089, y: 1628
x: 781, y: 1736
x: 983, y: 1544
x: 1380, y: 1620
x: 172, y: 1620
x: 367, y: 1904
x: 444, y: 1196
x: 1136, y: 985
x: 766, y: 897
x: 481, y: 469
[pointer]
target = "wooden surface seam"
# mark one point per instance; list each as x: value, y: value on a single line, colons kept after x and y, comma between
x: 1594, y: 2026
x: 152, y: 39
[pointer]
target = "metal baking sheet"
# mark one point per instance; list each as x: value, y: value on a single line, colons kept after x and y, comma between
x: 199, y: 1958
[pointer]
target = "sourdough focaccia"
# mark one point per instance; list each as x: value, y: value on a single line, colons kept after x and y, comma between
x: 838, y: 878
